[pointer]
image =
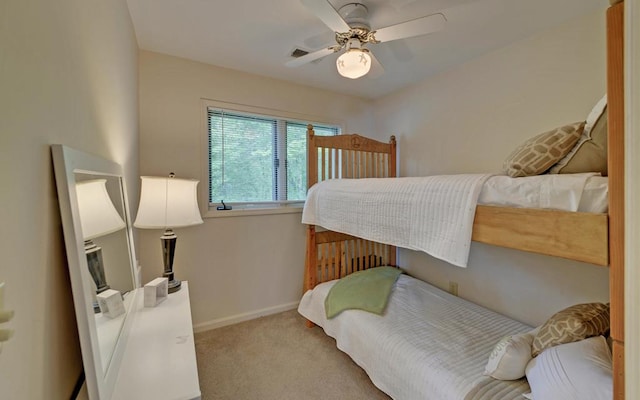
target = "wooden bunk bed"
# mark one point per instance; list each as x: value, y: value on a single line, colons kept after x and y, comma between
x: 588, y: 237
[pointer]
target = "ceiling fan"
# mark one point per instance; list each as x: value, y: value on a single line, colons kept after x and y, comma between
x: 353, y: 32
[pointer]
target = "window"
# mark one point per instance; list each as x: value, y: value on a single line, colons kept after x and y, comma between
x: 258, y: 159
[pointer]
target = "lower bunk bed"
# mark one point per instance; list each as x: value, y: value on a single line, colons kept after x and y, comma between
x: 428, y: 344
x: 420, y: 342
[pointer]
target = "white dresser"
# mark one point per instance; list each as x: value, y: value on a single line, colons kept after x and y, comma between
x: 159, y: 360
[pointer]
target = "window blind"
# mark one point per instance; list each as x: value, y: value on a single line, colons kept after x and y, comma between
x: 241, y: 156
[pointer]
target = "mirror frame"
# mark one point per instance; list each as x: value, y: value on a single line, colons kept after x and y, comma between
x: 67, y: 162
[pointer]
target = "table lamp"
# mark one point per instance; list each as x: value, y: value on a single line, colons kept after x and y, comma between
x: 167, y: 203
x: 98, y: 217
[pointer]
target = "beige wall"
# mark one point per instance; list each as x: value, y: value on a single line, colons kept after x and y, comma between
x: 237, y: 267
x: 468, y: 120
x: 68, y: 74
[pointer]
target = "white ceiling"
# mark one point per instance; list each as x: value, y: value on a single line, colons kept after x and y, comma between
x: 258, y: 36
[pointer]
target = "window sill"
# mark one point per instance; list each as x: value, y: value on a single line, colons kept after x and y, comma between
x: 245, y: 212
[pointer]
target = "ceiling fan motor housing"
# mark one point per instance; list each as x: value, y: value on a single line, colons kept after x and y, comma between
x: 356, y: 15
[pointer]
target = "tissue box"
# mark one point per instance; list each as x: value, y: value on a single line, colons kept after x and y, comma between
x: 156, y: 292
x: 110, y: 302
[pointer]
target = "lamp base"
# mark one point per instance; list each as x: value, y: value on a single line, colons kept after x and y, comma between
x: 168, y: 250
x: 174, y: 285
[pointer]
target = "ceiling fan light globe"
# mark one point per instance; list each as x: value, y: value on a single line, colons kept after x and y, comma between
x: 354, y: 63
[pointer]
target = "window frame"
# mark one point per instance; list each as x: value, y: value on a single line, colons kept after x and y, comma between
x: 253, y: 208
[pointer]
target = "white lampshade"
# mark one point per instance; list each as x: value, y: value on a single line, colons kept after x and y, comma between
x: 98, y: 215
x: 354, y: 63
x: 167, y: 203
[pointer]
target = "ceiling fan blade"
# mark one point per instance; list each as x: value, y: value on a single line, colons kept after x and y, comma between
x: 420, y: 26
x: 310, y: 57
x: 376, y: 68
x: 321, y: 40
x: 327, y: 14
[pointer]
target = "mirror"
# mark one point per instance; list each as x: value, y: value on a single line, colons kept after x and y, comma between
x: 99, y: 244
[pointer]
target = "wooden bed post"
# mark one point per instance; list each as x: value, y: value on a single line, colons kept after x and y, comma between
x: 311, y: 260
x: 615, y: 135
x: 392, y: 174
x: 311, y: 254
x: 312, y: 159
x: 392, y: 157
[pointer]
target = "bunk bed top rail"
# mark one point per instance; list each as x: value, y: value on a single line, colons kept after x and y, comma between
x: 574, y: 235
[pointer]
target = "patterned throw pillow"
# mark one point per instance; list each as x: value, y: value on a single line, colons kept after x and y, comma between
x: 572, y: 324
x: 510, y: 357
x: 538, y: 154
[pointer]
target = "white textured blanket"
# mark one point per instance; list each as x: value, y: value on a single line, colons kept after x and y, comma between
x: 427, y: 344
x: 433, y: 214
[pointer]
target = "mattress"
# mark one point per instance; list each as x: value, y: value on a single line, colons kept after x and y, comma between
x: 568, y: 192
x: 427, y: 344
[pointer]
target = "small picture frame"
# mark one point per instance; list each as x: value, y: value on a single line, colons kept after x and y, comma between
x: 156, y: 291
x: 110, y: 302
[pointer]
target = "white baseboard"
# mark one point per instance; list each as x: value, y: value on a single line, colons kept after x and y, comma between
x: 234, y: 319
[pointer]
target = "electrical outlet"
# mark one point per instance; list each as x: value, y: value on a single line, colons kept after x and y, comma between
x: 453, y: 288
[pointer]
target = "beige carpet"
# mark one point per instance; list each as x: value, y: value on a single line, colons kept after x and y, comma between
x: 277, y: 358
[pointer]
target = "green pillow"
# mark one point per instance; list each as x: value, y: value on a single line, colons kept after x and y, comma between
x: 366, y: 290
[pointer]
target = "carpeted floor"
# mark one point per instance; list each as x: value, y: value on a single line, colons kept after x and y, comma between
x: 277, y: 358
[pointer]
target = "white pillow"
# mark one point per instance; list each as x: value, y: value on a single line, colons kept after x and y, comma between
x: 578, y: 370
x: 510, y: 356
x: 594, y: 115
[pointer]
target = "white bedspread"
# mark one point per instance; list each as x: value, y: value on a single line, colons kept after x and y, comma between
x: 433, y: 214
x: 428, y: 344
